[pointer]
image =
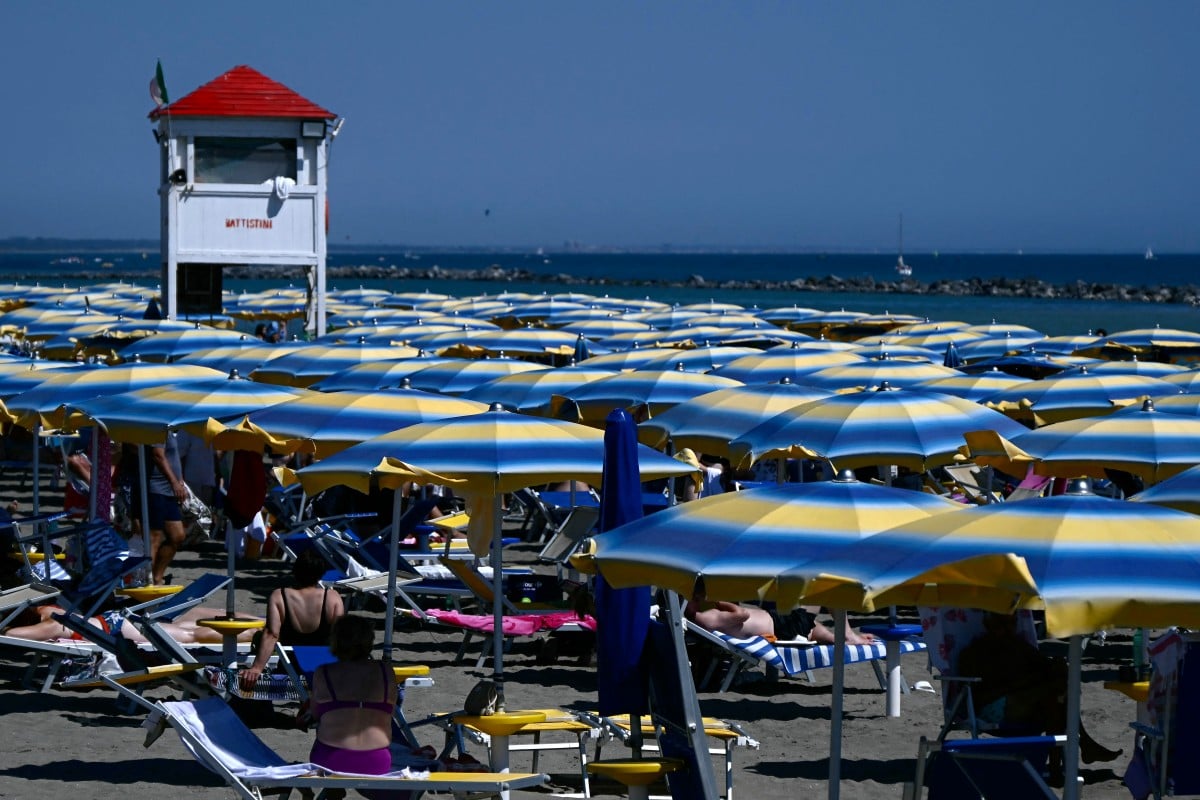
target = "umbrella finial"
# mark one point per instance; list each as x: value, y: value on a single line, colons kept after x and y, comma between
x: 234, y: 375
x: 1079, y: 486
x: 495, y: 407
x: 1148, y: 404
x: 845, y: 476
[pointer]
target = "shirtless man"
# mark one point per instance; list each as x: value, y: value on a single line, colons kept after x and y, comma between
x: 183, y: 630
x: 738, y: 621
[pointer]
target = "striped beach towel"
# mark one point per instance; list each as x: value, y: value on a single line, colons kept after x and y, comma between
x: 792, y: 660
x: 270, y: 686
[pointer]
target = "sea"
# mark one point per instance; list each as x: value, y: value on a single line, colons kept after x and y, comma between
x: 641, y: 275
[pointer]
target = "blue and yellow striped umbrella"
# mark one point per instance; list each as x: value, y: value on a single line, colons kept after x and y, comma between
x: 1096, y: 563
x: 43, y: 404
x: 745, y: 545
x: 22, y: 374
x: 378, y: 375
x: 1142, y: 441
x: 875, y: 371
x: 792, y: 362
x: 975, y: 388
x: 1180, y: 492
x: 916, y: 430
x: 144, y: 416
x: 327, y: 423
x: 311, y: 363
x: 456, y: 376
x: 1075, y: 394
x: 530, y: 390
x: 243, y: 359
x: 174, y: 345
x: 708, y: 423
x: 653, y: 390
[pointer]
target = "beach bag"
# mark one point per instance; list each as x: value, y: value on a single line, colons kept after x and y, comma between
x: 482, y: 699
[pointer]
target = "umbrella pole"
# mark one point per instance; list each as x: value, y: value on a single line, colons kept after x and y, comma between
x: 231, y: 570
x: 835, y: 713
x: 37, y: 475
x: 498, y: 599
x: 1071, y: 751
x: 389, y: 622
x: 144, y: 488
x: 95, y: 457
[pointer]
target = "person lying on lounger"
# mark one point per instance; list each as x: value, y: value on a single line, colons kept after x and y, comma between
x: 39, y: 625
x: 740, y: 621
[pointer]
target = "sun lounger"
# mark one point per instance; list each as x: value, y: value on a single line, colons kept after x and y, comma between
x: 222, y: 743
x: 793, y: 658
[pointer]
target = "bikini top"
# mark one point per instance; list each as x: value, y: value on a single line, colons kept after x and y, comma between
x: 318, y: 709
x: 290, y: 635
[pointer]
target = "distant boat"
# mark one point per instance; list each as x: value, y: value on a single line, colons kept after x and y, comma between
x: 904, y: 270
x: 1150, y: 255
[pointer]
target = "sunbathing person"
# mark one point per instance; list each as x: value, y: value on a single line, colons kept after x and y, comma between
x: 42, y: 627
x: 303, y: 614
x: 740, y: 621
x: 1019, y: 687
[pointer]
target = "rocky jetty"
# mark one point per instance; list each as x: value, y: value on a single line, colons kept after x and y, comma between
x: 866, y: 284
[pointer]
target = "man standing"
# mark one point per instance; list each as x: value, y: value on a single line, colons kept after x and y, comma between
x: 167, y: 491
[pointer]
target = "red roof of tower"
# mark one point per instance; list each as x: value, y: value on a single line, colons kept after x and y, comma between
x: 244, y: 92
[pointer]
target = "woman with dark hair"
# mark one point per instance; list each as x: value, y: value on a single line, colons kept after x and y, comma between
x: 303, y: 614
x: 353, y: 700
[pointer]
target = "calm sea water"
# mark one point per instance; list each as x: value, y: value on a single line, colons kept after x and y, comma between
x: 1050, y: 316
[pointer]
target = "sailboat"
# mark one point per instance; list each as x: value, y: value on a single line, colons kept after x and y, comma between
x: 902, y: 269
x: 1150, y: 255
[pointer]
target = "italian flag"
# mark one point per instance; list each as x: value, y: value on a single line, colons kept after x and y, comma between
x: 158, y: 87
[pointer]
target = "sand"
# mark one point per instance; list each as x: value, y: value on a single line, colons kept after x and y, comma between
x: 80, y: 743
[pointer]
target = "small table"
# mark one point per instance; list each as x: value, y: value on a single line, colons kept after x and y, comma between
x: 1138, y: 691
x: 500, y: 727
x: 229, y: 628
x: 141, y: 594
x: 636, y: 773
x: 892, y: 635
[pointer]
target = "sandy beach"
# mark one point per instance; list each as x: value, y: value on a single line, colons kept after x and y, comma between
x: 64, y: 741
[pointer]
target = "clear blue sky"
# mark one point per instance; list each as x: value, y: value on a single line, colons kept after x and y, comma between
x: 1065, y: 126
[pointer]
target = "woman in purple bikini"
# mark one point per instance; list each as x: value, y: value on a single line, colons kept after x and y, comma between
x: 353, y: 700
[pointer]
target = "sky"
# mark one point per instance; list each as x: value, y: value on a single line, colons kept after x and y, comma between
x: 1066, y: 126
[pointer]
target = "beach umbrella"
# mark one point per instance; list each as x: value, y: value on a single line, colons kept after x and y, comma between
x: 1150, y: 369
x: 525, y: 341
x: 667, y: 318
x: 653, y: 390
x: 1006, y: 330
x: 875, y: 371
x: 1187, y: 405
x: 995, y: 346
x: 173, y: 345
x: 144, y: 416
x: 868, y: 347
x: 915, y: 430
x: 20, y: 374
x: 745, y: 545
x: 969, y: 387
x: 1096, y: 563
x: 483, y: 456
x: 243, y: 358
x: 784, y: 315
x: 43, y: 405
x: 936, y: 339
x: 377, y: 375
x: 1187, y: 381
x: 415, y: 299
x: 1066, y: 344
x: 329, y: 422
x: 1180, y: 492
x: 1141, y: 441
x: 1030, y: 364
x: 708, y: 422
x: 699, y: 359
x: 598, y: 329
x: 636, y: 357
x: 311, y: 363
x: 792, y: 362
x: 1157, y: 343
x: 280, y: 305
x: 529, y: 390
x: 1074, y: 394
x: 456, y: 376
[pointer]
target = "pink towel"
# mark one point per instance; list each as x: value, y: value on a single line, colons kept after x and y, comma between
x: 514, y: 624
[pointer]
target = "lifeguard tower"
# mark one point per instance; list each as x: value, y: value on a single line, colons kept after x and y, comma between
x: 242, y: 182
